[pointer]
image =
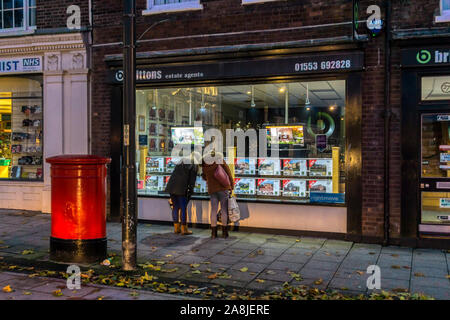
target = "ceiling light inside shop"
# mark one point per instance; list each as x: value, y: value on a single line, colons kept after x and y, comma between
x: 282, y: 89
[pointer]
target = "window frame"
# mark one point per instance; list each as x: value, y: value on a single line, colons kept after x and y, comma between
x: 444, y: 14
x: 26, y: 15
x: 172, y: 7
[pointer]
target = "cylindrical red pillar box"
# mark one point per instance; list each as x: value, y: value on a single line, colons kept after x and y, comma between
x: 78, y: 229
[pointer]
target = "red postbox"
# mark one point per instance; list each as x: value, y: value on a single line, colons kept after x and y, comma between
x: 78, y: 230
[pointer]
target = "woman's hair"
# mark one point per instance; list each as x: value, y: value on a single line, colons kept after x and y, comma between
x: 213, y: 157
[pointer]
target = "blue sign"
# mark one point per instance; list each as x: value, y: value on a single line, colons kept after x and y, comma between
x: 318, y: 197
x: 25, y: 64
x: 143, y: 140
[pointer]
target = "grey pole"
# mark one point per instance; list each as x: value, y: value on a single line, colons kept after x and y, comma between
x: 129, y: 183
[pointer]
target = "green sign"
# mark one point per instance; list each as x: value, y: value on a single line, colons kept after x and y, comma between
x: 423, y: 56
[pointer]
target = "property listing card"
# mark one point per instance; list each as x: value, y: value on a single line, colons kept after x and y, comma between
x: 295, y: 167
x: 294, y: 188
x: 245, y: 186
x: 245, y: 166
x: 155, y: 164
x: 268, y: 187
x: 269, y: 167
x: 154, y: 183
x: 324, y: 186
x: 321, y: 168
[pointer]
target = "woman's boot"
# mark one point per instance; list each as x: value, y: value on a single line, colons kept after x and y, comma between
x: 225, y: 232
x: 213, y: 232
x: 185, y: 231
x: 177, y: 227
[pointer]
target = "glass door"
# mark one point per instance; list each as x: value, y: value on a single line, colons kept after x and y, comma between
x: 435, y: 173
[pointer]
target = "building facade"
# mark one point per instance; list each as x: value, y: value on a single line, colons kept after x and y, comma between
x: 353, y: 111
x: 357, y: 117
x: 44, y: 99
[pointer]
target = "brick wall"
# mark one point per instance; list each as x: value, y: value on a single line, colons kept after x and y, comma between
x: 53, y: 14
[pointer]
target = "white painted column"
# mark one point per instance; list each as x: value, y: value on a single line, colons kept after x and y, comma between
x: 53, y: 127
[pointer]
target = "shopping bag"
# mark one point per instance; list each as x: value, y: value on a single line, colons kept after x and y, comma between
x: 234, y: 214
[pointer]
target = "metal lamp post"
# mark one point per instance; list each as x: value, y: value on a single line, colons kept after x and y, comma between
x: 129, y: 218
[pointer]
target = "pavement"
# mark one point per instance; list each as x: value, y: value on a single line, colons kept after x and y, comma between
x: 248, y: 260
x: 43, y: 288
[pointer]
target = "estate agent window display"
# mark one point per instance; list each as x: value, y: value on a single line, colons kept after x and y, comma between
x: 307, y: 118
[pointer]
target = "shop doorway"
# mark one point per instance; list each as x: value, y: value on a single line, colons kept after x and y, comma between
x: 434, y: 177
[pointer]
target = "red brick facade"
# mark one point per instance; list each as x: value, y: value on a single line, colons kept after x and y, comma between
x: 228, y: 22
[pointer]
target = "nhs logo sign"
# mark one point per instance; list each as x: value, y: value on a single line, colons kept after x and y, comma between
x: 20, y: 65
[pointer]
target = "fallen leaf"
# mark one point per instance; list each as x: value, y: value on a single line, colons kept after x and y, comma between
x: 196, y: 272
x: 419, y: 274
x: 298, y: 240
x: 448, y: 276
x: 57, y: 293
x: 7, y: 289
x: 396, y: 267
x: 260, y: 280
x: 134, y: 294
x: 244, y: 269
x: 101, y: 298
x: 406, y: 267
x: 400, y: 290
x: 27, y: 293
x: 26, y: 252
x: 271, y: 272
x: 360, y: 272
x: 213, y: 276
x: 318, y: 282
x: 194, y: 265
x: 106, y: 262
x: 394, y: 255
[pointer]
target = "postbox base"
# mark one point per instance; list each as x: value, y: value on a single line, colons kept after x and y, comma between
x: 78, y: 251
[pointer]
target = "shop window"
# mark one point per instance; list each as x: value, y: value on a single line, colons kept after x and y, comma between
x: 444, y: 11
x: 17, y: 15
x: 164, y: 6
x: 436, y: 88
x: 301, y: 125
x: 21, y: 128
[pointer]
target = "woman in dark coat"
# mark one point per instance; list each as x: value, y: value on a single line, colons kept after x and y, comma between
x: 180, y: 187
x: 218, y: 192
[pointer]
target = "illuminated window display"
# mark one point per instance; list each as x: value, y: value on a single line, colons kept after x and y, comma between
x: 303, y: 121
x: 21, y: 128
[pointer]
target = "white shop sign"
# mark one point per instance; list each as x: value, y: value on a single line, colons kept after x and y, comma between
x: 22, y: 64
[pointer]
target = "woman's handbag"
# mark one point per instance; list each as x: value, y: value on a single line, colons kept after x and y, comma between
x: 234, y: 214
x: 221, y: 175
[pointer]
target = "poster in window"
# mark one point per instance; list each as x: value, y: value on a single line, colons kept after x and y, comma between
x: 245, y: 166
x: 269, y: 167
x: 154, y: 183
x: 294, y: 188
x: 321, y: 168
x: 245, y: 186
x: 141, y: 123
x: 294, y: 167
x: 321, y: 186
x: 171, y: 163
x: 268, y: 187
x: 200, y: 186
x: 155, y: 164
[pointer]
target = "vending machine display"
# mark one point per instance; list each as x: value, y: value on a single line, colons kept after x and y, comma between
x: 295, y: 167
x: 321, y: 168
x: 269, y: 167
x: 294, y: 188
x: 245, y: 186
x: 268, y: 187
